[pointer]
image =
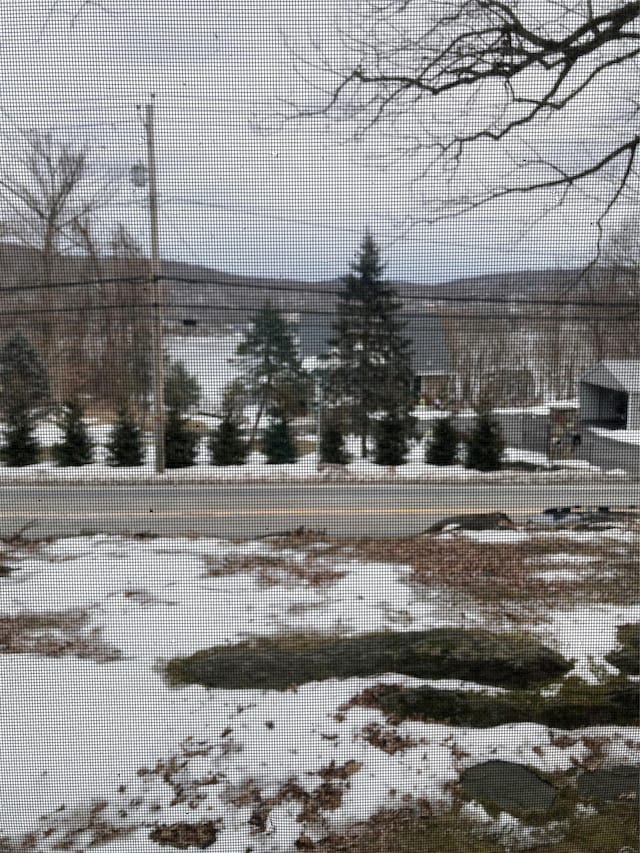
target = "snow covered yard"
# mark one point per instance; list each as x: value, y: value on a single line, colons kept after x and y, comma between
x: 100, y: 749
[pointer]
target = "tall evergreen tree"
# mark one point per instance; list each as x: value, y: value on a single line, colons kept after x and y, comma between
x: 24, y: 397
x: 443, y: 448
x: 76, y: 447
x: 370, y: 368
x: 126, y: 445
x: 485, y: 445
x: 272, y: 372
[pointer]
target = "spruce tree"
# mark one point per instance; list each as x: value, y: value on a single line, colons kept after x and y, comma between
x: 24, y: 398
x: 181, y: 389
x: 76, y: 447
x: 371, y: 365
x: 443, y: 448
x: 20, y: 445
x: 277, y: 443
x: 126, y: 445
x: 332, y: 449
x: 181, y: 393
x: 180, y: 441
x: 485, y: 445
x: 391, y: 443
x: 226, y: 445
x: 271, y: 369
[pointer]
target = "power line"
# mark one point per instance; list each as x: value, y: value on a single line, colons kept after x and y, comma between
x: 63, y: 285
x: 244, y: 310
x: 243, y: 211
x: 311, y: 289
x: 74, y: 309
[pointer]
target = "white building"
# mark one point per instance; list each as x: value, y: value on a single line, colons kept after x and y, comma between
x: 610, y: 395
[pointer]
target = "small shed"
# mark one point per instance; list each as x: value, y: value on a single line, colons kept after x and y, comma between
x: 610, y: 395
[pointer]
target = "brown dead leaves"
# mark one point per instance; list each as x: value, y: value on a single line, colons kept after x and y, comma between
x: 382, y: 828
x: 502, y: 572
x: 386, y: 739
x: 491, y: 574
x: 368, y: 698
x: 54, y: 635
x: 174, y: 773
x: 182, y: 835
x: 325, y: 797
x: 341, y: 771
x: 311, y: 568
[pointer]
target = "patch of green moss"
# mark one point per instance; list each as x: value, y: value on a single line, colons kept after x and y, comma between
x: 577, y: 704
x: 508, y: 660
x: 610, y: 829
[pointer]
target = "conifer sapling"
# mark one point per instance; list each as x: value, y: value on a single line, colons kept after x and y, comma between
x: 76, y: 447
x: 443, y: 448
x: 126, y: 445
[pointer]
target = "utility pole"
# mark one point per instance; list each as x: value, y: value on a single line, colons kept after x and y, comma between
x: 156, y: 297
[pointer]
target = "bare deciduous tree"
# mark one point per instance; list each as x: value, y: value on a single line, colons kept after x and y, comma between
x: 115, y: 346
x: 92, y: 336
x: 616, y: 279
x: 449, y: 80
x: 46, y: 190
x: 49, y: 198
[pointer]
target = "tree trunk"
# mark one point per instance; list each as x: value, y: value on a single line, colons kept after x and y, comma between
x: 363, y: 439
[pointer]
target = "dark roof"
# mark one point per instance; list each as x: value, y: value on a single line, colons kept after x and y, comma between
x: 429, y: 352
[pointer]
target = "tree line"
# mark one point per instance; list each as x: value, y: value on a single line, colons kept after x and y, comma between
x: 365, y: 378
x: 95, y: 337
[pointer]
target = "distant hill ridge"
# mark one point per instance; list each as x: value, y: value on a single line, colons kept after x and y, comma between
x: 211, y: 292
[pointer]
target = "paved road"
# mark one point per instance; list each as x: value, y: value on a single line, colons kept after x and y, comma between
x: 250, y: 510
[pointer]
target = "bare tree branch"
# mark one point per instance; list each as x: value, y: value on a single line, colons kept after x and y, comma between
x: 80, y: 8
x: 444, y: 79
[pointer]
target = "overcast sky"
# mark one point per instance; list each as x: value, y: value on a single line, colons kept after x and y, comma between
x: 292, y: 203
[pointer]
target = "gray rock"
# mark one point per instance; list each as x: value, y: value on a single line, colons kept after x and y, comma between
x: 512, y: 787
x: 473, y: 521
x: 617, y: 783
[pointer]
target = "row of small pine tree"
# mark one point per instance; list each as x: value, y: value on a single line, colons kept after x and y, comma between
x: 227, y: 446
x: 484, y: 446
x: 125, y: 447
